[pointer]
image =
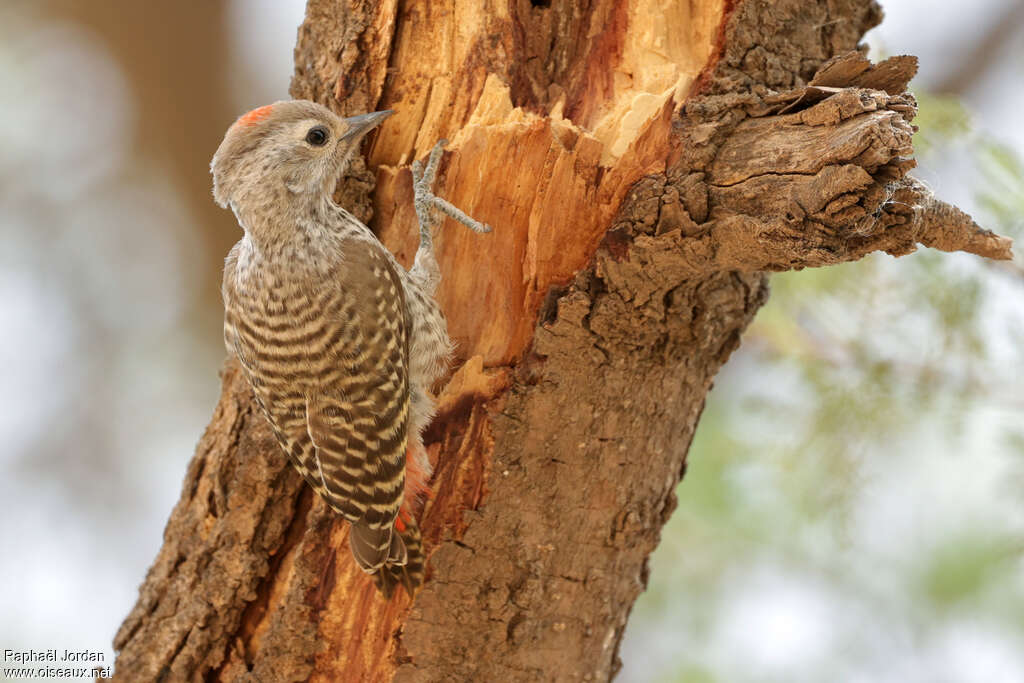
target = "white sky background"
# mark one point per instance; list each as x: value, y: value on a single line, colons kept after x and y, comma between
x: 69, y: 573
x: 78, y: 533
x: 775, y: 618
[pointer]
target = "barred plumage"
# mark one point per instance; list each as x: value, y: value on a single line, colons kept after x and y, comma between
x: 335, y: 385
x: 339, y: 342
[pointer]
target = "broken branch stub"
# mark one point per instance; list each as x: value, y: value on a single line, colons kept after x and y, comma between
x: 640, y: 175
x: 811, y: 177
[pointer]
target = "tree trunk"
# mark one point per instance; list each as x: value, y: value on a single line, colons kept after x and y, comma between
x: 644, y: 164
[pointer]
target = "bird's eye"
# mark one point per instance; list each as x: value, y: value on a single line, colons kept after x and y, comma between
x: 317, y: 136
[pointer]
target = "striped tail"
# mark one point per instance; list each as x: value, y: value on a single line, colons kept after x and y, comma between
x: 410, y: 575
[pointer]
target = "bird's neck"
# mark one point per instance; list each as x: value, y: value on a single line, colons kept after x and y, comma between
x: 298, y: 232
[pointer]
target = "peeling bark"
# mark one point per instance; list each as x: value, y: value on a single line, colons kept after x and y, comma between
x: 644, y: 165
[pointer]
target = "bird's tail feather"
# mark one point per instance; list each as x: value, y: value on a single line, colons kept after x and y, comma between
x: 410, y: 574
x: 372, y: 547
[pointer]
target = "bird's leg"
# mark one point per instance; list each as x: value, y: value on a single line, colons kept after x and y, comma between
x: 424, y: 200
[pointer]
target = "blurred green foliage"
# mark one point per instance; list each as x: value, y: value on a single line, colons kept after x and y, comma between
x: 864, y: 451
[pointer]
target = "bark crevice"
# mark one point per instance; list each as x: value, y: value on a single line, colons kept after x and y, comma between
x: 627, y: 259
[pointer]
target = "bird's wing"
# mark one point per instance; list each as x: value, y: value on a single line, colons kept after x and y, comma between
x: 357, y: 416
x: 230, y: 263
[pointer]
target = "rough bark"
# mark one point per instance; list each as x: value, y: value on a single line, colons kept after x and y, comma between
x: 643, y: 164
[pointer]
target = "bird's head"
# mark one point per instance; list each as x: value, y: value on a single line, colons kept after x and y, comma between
x: 298, y: 147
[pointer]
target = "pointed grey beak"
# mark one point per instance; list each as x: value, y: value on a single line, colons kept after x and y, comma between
x: 358, y: 126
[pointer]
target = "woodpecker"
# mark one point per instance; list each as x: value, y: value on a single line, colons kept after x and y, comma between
x: 340, y: 343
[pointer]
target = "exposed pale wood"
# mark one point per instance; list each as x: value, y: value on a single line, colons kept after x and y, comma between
x: 553, y: 136
x: 643, y: 164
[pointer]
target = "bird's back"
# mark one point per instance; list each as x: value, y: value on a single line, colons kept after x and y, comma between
x: 323, y: 339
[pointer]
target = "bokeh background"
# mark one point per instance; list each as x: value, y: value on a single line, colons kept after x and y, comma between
x: 853, y: 507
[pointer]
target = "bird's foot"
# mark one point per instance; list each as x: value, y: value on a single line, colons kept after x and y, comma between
x: 425, y: 199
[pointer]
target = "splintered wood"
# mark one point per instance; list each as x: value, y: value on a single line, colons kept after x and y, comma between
x: 643, y: 164
x: 544, y: 145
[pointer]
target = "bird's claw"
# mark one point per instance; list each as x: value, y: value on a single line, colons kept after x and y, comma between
x: 425, y: 199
